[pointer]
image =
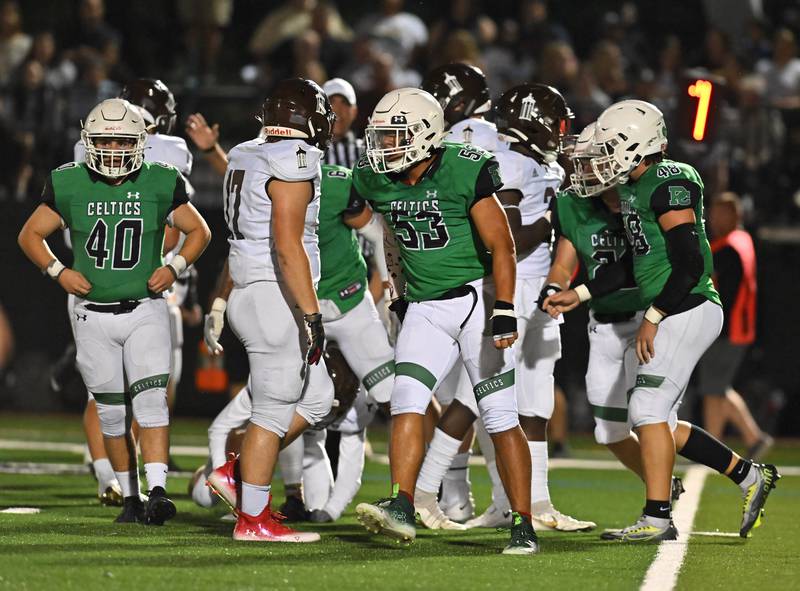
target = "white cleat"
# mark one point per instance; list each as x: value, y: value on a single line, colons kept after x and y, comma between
x: 493, y: 517
x: 551, y: 519
x: 459, y: 507
x: 430, y: 514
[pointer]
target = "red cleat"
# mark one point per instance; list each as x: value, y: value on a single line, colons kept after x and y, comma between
x: 226, y: 482
x: 267, y: 527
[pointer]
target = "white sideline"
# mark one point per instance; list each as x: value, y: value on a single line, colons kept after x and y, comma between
x: 663, y: 572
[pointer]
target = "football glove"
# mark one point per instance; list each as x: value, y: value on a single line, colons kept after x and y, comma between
x: 546, y: 292
x: 504, y: 323
x: 316, y: 337
x: 399, y: 307
x: 214, y: 322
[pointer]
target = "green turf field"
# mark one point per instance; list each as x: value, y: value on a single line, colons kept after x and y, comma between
x: 73, y: 544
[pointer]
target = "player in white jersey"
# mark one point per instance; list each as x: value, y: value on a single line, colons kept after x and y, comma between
x: 463, y: 93
x: 271, y: 201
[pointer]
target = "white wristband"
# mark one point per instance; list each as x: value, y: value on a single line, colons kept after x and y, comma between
x: 509, y: 313
x: 54, y: 269
x: 583, y: 293
x: 219, y: 305
x: 178, y: 264
x: 653, y: 315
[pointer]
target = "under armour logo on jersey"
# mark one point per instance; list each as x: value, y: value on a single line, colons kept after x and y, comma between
x: 132, y: 195
x: 468, y: 131
x: 453, y: 84
x: 431, y: 194
x: 528, y: 108
x: 80, y: 316
x: 398, y: 120
x: 593, y: 329
x: 301, y: 158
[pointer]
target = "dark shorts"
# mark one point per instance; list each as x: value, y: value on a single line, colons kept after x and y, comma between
x: 718, y: 366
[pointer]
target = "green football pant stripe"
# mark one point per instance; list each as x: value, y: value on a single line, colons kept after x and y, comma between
x: 419, y: 373
x: 609, y: 413
x: 493, y: 384
x: 159, y: 381
x: 109, y: 397
x: 644, y: 380
x: 378, y: 374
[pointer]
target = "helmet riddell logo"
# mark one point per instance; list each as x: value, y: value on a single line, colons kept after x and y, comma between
x: 279, y: 131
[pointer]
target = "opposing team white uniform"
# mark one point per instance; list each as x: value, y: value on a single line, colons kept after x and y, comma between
x: 260, y: 310
x: 476, y: 131
x: 539, y: 344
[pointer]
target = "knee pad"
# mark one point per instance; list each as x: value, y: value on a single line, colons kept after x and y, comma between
x: 150, y: 408
x: 113, y: 421
x: 648, y: 406
x: 499, y: 411
x: 607, y: 432
x: 409, y: 396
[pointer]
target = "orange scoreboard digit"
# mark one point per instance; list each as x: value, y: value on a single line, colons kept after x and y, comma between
x: 702, y: 91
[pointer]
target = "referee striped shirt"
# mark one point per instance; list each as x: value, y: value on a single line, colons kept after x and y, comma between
x: 346, y: 151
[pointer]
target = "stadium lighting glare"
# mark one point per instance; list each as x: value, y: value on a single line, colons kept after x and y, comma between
x: 701, y: 89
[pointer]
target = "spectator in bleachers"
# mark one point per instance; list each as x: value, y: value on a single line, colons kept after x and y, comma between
x: 405, y: 29
x: 204, y: 22
x: 59, y: 73
x: 14, y: 43
x: 537, y: 29
x: 608, y: 69
x: 782, y: 72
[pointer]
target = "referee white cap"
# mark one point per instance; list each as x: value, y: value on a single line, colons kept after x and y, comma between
x: 342, y: 87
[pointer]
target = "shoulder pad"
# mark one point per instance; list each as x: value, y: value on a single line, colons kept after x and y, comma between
x: 67, y: 165
x: 512, y: 168
x: 293, y: 160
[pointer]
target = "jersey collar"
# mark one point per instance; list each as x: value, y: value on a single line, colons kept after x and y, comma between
x: 96, y: 177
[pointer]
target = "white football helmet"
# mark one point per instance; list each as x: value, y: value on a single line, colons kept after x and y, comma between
x: 625, y: 133
x: 583, y: 181
x: 114, y: 118
x: 406, y: 126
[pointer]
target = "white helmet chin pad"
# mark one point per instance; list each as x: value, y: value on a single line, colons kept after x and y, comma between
x: 406, y: 126
x: 625, y: 133
x: 114, y: 119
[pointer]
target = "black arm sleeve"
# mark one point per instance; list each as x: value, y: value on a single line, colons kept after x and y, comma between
x: 179, y: 193
x: 488, y: 181
x: 555, y: 223
x: 675, y: 195
x: 728, y: 271
x: 610, y: 278
x: 355, y: 204
x: 683, y: 250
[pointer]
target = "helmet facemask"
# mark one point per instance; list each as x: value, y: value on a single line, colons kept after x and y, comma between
x: 393, y: 148
x: 114, y: 162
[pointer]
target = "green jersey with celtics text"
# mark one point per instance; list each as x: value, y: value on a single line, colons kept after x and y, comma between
x: 343, y: 271
x: 440, y: 248
x: 117, y: 230
x: 599, y: 239
x: 665, y: 186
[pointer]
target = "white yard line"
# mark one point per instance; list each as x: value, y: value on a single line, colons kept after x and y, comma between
x: 79, y: 448
x: 663, y: 572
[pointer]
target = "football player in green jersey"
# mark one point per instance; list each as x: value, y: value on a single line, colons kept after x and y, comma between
x: 116, y: 206
x: 662, y: 209
x: 458, y: 258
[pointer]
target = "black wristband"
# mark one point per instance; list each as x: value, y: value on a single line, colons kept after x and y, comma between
x: 501, y: 305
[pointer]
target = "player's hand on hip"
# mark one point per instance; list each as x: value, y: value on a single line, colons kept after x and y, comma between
x: 504, y: 325
x: 316, y: 337
x: 161, y: 279
x: 561, y: 302
x: 645, y: 341
x: 74, y: 282
x: 215, y: 322
x: 546, y: 292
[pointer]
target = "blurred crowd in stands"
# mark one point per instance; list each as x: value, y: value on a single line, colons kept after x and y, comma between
x: 59, y: 58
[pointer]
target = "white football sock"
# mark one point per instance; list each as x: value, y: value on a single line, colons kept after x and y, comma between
x: 499, y: 497
x: 201, y: 493
x: 235, y: 414
x: 156, y: 474
x: 440, y: 455
x: 128, y: 482
x: 348, y: 473
x: 104, y: 473
x: 290, y: 460
x: 540, y: 493
x: 317, y: 472
x: 750, y: 479
x: 255, y: 497
x: 456, y: 482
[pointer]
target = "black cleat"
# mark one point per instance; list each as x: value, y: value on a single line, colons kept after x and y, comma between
x: 159, y: 508
x: 132, y: 511
x: 294, y: 510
